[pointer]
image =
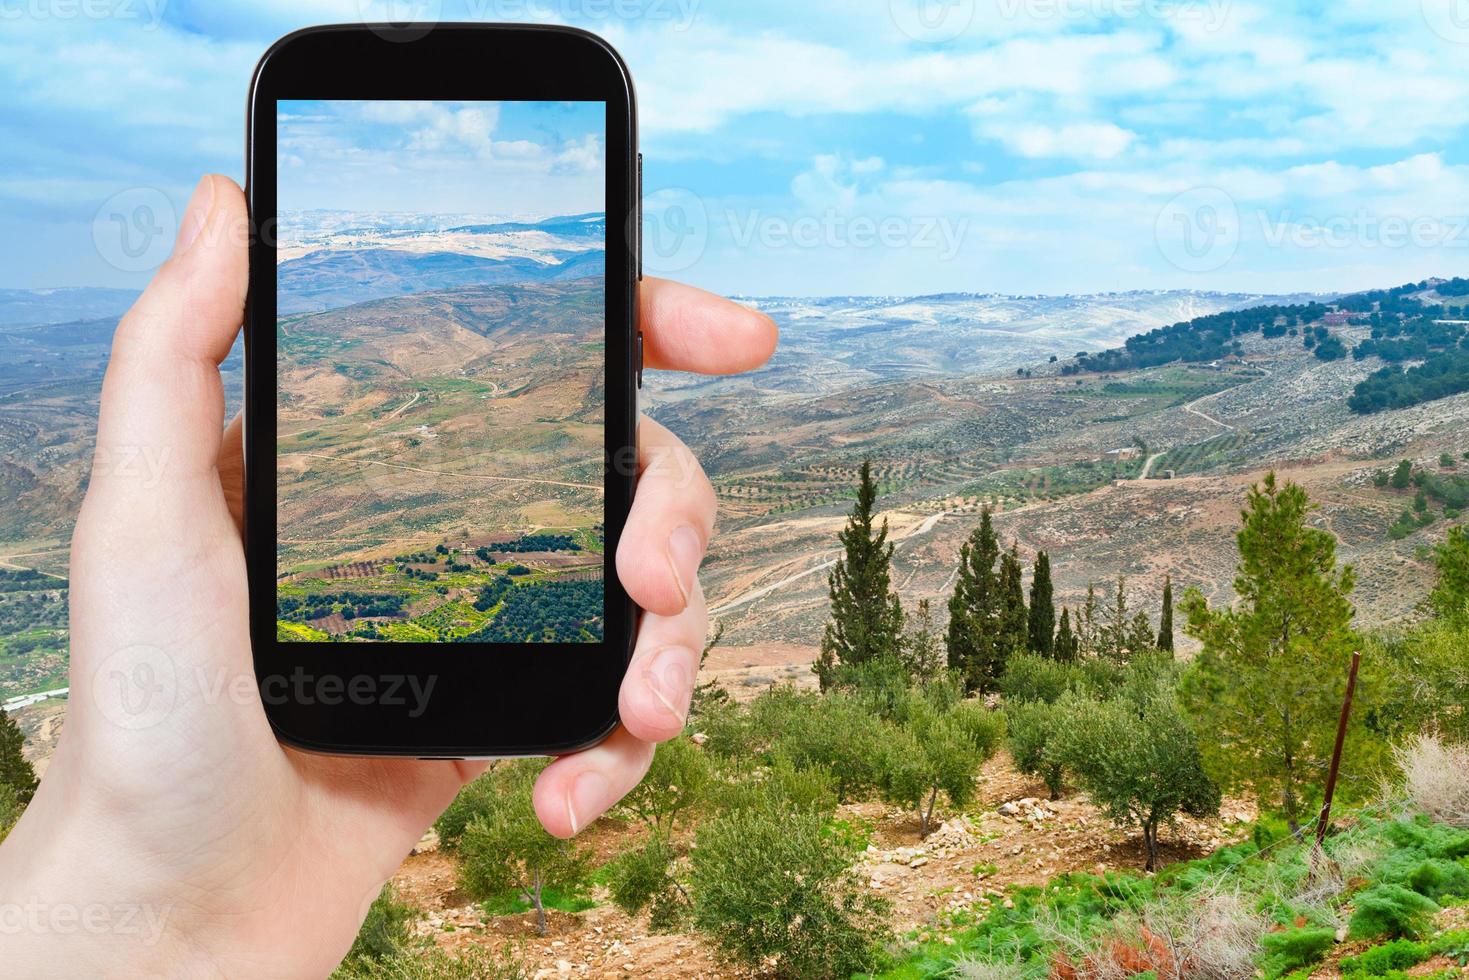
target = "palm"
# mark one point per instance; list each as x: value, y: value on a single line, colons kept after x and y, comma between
x: 168, y: 792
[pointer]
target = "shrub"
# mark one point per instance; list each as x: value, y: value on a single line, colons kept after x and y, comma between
x: 771, y: 884
x: 645, y: 877
x: 1029, y: 677
x: 1439, y: 879
x: 838, y: 733
x: 677, y: 780
x: 1138, y: 762
x: 504, y: 848
x: 476, y: 798
x: 1437, y: 779
x: 1400, y: 954
x: 1032, y: 728
x: 1391, y: 910
x: 1295, y: 948
x: 808, y: 789
x: 386, y: 931
x: 428, y: 962
x: 10, y: 809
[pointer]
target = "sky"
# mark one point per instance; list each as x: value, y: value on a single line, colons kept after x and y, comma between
x: 507, y: 160
x: 847, y: 146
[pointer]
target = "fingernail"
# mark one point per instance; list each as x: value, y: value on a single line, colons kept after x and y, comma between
x: 196, y: 215
x: 685, y: 551
x: 667, y: 676
x: 587, y: 799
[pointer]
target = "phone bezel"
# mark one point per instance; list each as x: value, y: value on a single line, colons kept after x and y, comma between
x: 487, y: 700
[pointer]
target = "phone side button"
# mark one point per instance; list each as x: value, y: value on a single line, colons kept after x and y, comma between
x: 640, y: 359
x: 640, y: 218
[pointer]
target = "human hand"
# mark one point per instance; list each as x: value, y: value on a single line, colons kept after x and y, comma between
x: 198, y: 844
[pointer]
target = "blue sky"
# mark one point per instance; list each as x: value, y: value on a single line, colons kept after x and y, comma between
x: 514, y: 160
x: 854, y: 146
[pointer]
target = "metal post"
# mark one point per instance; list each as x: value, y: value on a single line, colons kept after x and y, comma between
x: 1341, y: 737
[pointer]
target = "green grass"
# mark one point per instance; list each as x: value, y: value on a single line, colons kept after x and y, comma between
x: 513, y: 903
x: 1399, y: 861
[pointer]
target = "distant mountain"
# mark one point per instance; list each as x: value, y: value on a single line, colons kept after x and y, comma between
x: 20, y: 307
x: 333, y: 279
x: 334, y: 259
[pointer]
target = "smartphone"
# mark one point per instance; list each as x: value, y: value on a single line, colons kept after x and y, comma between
x: 442, y: 357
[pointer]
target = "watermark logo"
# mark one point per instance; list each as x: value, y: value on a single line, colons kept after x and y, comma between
x: 136, y: 687
x: 675, y: 230
x: 1449, y: 19
x: 1199, y: 230
x: 133, y: 230
x: 148, y: 12
x: 400, y: 21
x: 932, y: 21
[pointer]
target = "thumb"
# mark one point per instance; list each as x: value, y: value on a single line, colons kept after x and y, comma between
x: 162, y: 401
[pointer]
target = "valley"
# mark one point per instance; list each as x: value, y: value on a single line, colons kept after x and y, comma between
x: 440, y: 467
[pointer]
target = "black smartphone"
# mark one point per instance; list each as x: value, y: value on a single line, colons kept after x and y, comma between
x: 441, y: 355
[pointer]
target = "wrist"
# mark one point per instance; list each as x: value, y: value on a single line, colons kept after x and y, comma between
x: 69, y: 906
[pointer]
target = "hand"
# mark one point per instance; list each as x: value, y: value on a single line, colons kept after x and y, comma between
x: 182, y: 839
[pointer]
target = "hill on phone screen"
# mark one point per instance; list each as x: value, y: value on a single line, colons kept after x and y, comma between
x: 440, y: 436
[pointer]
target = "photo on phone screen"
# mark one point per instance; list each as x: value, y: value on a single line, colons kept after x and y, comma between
x: 441, y: 350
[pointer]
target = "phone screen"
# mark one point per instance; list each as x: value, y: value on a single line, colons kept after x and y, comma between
x: 440, y: 362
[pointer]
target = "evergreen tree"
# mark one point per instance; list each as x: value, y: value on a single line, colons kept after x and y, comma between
x: 1067, y: 647
x: 1112, y: 641
x: 1014, y: 619
x: 1450, y: 596
x: 1267, y: 687
x: 922, y: 653
x: 15, y: 771
x: 866, y: 619
x: 1088, y: 625
x: 974, y: 609
x: 1140, y: 639
x: 1165, y: 620
x: 1042, y: 609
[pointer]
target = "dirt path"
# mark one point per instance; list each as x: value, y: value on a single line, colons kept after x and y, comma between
x: 403, y: 408
x: 1148, y: 466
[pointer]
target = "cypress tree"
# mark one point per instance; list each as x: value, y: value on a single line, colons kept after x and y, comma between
x: 15, y: 771
x: 1067, y: 646
x: 1087, y: 626
x: 1115, y: 631
x: 1140, y: 637
x: 974, y: 608
x: 1014, y: 619
x: 1165, y: 621
x: 1042, y: 609
x: 866, y: 618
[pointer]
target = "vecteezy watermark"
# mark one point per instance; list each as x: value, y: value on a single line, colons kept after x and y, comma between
x: 149, y: 12
x: 139, y: 687
x: 833, y: 229
x: 1199, y: 230
x: 146, y: 922
x: 400, y: 20
x: 410, y: 20
x: 675, y: 230
x: 410, y: 692
x: 136, y: 687
x: 134, y: 229
x: 1362, y: 229
x: 932, y: 21
x: 1449, y: 19
x: 1209, y: 14
x: 144, y: 465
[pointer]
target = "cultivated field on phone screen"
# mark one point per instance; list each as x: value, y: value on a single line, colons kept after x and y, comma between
x: 440, y: 453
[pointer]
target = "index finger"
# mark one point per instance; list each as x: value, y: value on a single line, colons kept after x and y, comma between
x: 688, y: 329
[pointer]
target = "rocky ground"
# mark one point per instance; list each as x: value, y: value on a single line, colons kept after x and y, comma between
x: 1011, y: 835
